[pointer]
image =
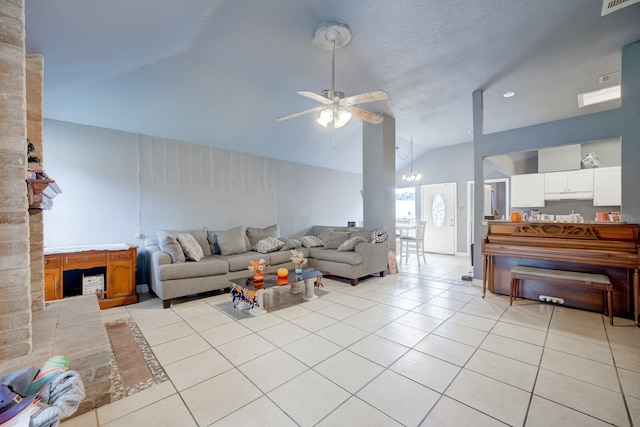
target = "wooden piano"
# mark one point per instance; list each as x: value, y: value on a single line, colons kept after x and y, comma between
x: 605, y: 248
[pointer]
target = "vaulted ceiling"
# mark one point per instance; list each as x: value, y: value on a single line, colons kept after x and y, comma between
x: 219, y: 72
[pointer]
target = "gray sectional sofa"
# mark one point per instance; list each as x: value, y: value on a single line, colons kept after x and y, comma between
x: 228, y: 253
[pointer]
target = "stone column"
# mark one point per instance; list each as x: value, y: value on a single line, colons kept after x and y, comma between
x: 15, y: 300
x: 34, y: 82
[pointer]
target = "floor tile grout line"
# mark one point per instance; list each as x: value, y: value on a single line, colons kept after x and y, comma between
x: 615, y: 366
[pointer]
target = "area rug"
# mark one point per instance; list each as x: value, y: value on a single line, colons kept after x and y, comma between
x: 133, y: 365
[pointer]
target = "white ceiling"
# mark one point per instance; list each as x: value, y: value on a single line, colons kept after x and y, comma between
x: 219, y: 72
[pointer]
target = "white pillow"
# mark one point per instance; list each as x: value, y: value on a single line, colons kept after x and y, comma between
x: 190, y: 246
x: 311, y: 241
x: 269, y: 244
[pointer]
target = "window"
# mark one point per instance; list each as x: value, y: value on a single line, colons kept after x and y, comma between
x: 406, y: 204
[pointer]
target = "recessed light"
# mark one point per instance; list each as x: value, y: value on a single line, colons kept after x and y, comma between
x: 470, y: 132
x: 509, y: 94
x: 600, y: 95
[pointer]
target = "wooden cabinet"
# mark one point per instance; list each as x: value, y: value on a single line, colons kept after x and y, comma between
x: 527, y: 191
x: 118, y: 262
x: 52, y: 278
x: 607, y: 186
x: 569, y: 185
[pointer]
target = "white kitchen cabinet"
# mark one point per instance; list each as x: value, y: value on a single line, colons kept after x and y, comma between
x: 567, y: 185
x: 527, y: 191
x: 607, y: 186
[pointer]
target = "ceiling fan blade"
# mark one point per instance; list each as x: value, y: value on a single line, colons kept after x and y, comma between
x: 367, y: 116
x: 376, y: 95
x: 316, y: 97
x: 301, y: 113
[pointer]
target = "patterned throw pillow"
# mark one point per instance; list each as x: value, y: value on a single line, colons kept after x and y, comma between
x: 378, y: 236
x: 311, y: 241
x: 270, y: 244
x: 334, y: 239
x: 190, y: 246
x: 350, y: 244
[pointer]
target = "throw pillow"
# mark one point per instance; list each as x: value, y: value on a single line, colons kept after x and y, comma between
x: 257, y: 234
x: 231, y: 241
x: 199, y: 234
x: 350, y: 244
x: 270, y: 244
x: 190, y: 246
x: 311, y: 241
x: 288, y: 244
x: 378, y: 236
x: 170, y: 245
x: 334, y: 239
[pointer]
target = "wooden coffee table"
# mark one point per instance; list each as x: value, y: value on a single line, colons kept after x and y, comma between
x: 249, y: 296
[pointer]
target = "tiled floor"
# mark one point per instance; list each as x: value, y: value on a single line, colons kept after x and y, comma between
x: 417, y: 348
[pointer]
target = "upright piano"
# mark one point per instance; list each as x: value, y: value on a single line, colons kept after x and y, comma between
x: 604, y: 248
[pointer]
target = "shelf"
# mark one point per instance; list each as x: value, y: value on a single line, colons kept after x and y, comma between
x: 41, y: 193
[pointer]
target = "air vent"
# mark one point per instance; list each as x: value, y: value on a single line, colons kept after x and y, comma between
x: 609, y: 6
x: 608, y: 78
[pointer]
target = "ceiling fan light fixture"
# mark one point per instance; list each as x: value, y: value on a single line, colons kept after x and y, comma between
x: 326, y: 117
x: 342, y: 118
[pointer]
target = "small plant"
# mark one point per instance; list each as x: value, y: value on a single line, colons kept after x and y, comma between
x: 30, y: 149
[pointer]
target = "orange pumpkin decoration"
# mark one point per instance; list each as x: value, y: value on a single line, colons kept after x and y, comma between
x: 516, y: 217
x: 282, y: 272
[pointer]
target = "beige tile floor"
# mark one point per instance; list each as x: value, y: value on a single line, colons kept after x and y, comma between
x: 417, y: 348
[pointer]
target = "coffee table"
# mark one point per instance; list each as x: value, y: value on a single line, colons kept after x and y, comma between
x: 249, y: 296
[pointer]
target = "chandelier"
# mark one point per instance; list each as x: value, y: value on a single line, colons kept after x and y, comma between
x: 411, y: 175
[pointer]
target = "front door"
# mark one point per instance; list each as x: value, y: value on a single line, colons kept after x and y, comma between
x: 439, y: 210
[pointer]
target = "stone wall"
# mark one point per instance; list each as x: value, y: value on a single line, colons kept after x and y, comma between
x: 34, y: 81
x: 15, y: 295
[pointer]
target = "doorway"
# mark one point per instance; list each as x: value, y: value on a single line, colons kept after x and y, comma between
x: 439, y: 211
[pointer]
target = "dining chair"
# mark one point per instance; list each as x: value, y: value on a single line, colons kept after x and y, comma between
x: 414, y: 243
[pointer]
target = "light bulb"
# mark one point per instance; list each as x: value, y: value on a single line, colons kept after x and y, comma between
x: 343, y: 118
x: 326, y: 117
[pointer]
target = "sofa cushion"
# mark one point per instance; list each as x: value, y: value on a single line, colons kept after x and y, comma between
x: 190, y: 246
x: 208, y: 266
x: 270, y: 244
x: 280, y: 257
x: 231, y: 241
x: 365, y: 234
x: 256, y: 234
x: 311, y: 241
x: 352, y: 258
x: 333, y: 239
x: 350, y: 244
x: 313, y: 252
x: 239, y: 262
x: 170, y: 245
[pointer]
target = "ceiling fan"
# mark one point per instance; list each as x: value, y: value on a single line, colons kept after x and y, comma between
x: 336, y: 110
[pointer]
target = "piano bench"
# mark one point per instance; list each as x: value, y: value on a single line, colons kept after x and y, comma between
x: 570, y: 278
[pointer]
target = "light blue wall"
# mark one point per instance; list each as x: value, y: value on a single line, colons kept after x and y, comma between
x: 118, y: 185
x: 442, y: 165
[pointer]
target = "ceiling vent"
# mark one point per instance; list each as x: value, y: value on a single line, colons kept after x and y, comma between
x: 609, y: 78
x: 609, y: 6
